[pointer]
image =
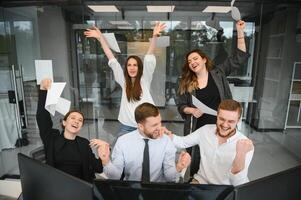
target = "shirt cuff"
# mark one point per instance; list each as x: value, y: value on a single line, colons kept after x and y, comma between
x: 107, y: 167
x: 178, y: 177
x: 239, y: 178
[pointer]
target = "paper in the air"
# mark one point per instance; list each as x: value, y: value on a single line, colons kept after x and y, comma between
x: 235, y: 12
x: 112, y: 42
x: 53, y: 96
x: 43, y: 70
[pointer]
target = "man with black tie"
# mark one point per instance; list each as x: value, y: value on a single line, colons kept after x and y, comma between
x: 145, y: 154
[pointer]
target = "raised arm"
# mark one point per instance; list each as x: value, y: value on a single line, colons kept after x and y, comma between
x: 240, y: 56
x: 240, y: 27
x: 96, y: 33
x: 43, y: 117
x: 159, y: 27
x: 241, y: 162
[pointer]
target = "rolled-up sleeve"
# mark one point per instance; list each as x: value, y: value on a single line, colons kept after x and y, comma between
x: 242, y: 176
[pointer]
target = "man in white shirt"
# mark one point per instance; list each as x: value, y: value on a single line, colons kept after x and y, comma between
x: 129, y: 151
x: 225, y: 152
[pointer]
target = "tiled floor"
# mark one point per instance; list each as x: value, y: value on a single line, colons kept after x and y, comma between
x: 274, y: 151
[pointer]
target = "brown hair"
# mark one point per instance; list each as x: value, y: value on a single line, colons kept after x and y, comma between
x: 133, y: 90
x: 189, y: 80
x: 144, y: 111
x: 72, y: 111
x: 230, y: 105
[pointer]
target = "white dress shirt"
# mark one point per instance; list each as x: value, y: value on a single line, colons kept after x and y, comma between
x: 127, y: 109
x: 128, y: 155
x: 216, y: 160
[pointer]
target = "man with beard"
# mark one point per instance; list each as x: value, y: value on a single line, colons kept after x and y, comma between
x: 225, y: 152
x: 130, y: 151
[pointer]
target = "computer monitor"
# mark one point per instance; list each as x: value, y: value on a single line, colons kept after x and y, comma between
x: 43, y: 182
x: 279, y: 186
x: 134, y: 190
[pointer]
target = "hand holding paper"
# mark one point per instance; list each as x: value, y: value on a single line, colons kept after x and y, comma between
x: 111, y: 41
x: 53, y: 100
x: 203, y: 107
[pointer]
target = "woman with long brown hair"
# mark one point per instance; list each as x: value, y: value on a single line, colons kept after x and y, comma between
x: 136, y: 79
x: 208, y: 83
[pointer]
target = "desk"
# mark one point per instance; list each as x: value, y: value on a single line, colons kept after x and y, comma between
x: 8, y: 126
x: 10, y: 188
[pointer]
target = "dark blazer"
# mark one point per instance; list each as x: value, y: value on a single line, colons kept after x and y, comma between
x: 219, y: 74
x: 52, y: 139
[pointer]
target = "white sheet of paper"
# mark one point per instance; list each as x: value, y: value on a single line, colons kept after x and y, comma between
x: 163, y: 41
x: 203, y: 107
x: 112, y: 42
x: 53, y: 96
x: 43, y: 70
x: 242, y: 94
x: 235, y: 12
x: 63, y: 106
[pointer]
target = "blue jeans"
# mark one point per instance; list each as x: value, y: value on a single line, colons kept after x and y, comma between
x: 125, y: 129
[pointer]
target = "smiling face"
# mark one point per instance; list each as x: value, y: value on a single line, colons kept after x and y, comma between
x: 150, y: 127
x: 196, y: 63
x: 73, y: 123
x: 132, y: 67
x: 226, y: 123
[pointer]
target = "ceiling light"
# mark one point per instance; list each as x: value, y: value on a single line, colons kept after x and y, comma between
x: 217, y: 9
x: 107, y: 8
x: 119, y: 23
x: 125, y: 27
x: 160, y: 8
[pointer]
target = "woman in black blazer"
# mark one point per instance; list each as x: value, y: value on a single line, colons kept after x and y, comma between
x: 66, y: 151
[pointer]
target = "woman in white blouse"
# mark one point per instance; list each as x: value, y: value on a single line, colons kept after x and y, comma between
x: 135, y: 81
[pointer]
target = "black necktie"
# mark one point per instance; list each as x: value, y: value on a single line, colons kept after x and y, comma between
x: 145, y: 164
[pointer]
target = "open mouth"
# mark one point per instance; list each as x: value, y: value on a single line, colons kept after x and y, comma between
x: 225, y: 128
x: 74, y: 126
x: 194, y: 66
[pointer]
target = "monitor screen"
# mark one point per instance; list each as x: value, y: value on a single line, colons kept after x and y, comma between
x: 43, y: 182
x: 113, y: 189
x: 279, y: 186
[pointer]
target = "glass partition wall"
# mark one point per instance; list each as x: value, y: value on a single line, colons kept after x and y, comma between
x: 55, y: 32
x: 185, y: 31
